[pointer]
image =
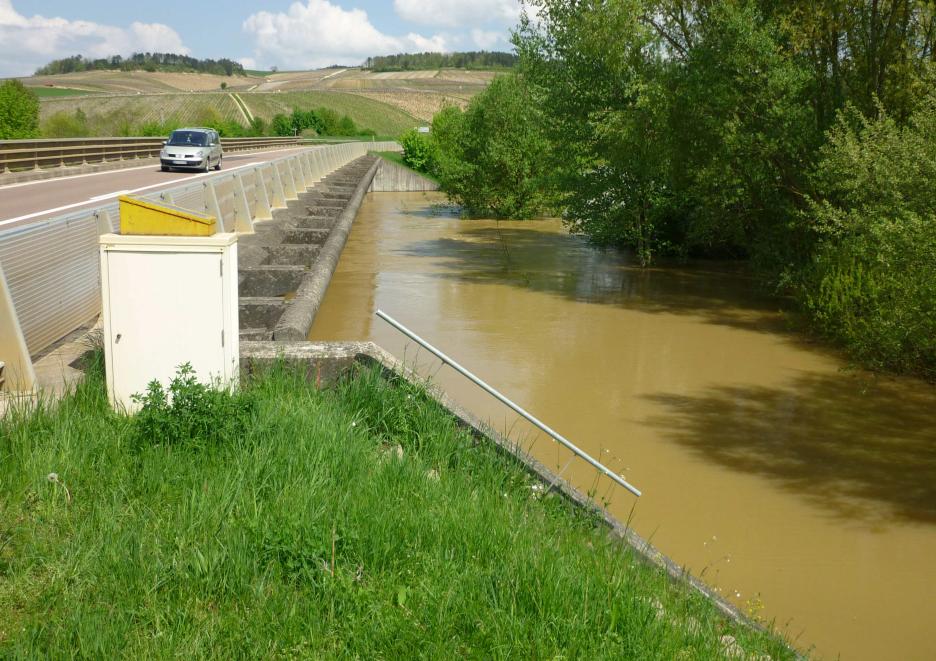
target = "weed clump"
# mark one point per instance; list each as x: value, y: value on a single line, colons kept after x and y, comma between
x: 191, y: 412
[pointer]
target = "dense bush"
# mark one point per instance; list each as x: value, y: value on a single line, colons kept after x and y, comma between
x: 872, y: 282
x: 419, y: 151
x: 190, y: 412
x: 490, y: 156
x: 65, y: 125
x: 19, y: 111
x: 320, y: 121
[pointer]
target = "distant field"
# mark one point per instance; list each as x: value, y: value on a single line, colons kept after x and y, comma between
x: 124, y: 82
x: 115, y: 115
x: 387, y: 102
x: 368, y: 113
x: 421, y: 105
x: 43, y: 92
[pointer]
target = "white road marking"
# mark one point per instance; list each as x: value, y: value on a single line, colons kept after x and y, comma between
x: 119, y: 170
x: 107, y: 196
x: 125, y: 192
x: 74, y: 176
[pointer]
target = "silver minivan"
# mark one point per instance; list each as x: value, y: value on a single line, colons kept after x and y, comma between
x: 197, y: 148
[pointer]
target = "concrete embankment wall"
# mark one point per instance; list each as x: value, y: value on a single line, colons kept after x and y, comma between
x: 300, y: 314
x: 393, y: 178
x: 267, y: 316
x: 325, y: 362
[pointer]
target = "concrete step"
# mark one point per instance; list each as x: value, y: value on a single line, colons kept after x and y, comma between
x: 310, y: 223
x: 266, y: 281
x: 292, y: 253
x: 260, y: 311
x: 256, y: 334
x: 283, y: 254
x: 323, y: 212
x: 331, y: 195
x: 305, y: 235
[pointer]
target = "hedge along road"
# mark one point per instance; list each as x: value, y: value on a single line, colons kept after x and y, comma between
x: 33, y: 200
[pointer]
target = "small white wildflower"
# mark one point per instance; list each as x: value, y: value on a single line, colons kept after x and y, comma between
x: 52, y: 477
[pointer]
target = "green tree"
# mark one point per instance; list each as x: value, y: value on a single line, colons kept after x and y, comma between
x: 419, y: 150
x: 19, y: 111
x: 872, y: 281
x: 282, y: 125
x: 491, y: 155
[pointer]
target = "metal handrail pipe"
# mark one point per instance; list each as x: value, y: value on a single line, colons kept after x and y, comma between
x: 510, y: 404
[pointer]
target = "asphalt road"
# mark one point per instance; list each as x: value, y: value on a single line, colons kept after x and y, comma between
x: 30, y: 201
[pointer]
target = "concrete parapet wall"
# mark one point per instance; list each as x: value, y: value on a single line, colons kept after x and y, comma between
x: 298, y: 317
x: 393, y: 178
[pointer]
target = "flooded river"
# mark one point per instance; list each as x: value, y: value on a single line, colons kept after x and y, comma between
x: 804, y: 492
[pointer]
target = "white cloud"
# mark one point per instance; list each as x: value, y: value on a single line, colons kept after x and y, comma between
x: 459, y: 13
x: 248, y: 63
x: 27, y: 43
x: 486, y: 39
x: 318, y: 34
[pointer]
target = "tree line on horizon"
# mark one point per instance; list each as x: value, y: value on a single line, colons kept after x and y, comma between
x: 167, y: 62
x: 461, y: 60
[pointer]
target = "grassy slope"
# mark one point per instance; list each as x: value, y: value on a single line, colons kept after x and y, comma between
x: 397, y: 158
x: 312, y: 535
x: 367, y: 113
x: 52, y: 92
x: 108, y: 113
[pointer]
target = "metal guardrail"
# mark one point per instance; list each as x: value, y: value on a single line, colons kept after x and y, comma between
x: 17, y: 155
x: 542, y: 426
x: 51, y: 268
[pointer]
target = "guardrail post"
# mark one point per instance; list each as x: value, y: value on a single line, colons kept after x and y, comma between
x: 318, y: 166
x: 19, y: 373
x: 104, y: 224
x: 303, y: 158
x: 289, y: 186
x: 295, y: 169
x: 313, y: 166
x: 212, y: 208
x: 262, y: 210
x: 279, y: 191
x: 243, y: 223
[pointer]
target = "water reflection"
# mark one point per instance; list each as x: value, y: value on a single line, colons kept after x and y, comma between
x: 855, y: 445
x: 784, y: 478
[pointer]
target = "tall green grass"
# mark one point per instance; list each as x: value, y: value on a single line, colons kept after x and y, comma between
x: 358, y: 522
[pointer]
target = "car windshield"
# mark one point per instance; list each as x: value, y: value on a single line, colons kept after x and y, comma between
x: 185, y: 138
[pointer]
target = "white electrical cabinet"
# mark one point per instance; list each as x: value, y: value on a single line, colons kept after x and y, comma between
x: 168, y: 300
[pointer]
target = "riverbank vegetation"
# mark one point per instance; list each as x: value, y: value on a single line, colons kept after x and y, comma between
x: 797, y: 136
x: 287, y: 522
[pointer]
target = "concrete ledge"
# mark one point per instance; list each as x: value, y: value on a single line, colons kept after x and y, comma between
x: 296, y: 321
x: 393, y: 178
x: 256, y: 281
x: 325, y: 362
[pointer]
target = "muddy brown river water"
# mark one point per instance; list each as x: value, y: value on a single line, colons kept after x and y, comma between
x: 803, y: 491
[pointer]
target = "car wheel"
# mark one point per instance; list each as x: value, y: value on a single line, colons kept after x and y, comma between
x: 218, y: 165
x: 207, y: 164
x: 165, y: 168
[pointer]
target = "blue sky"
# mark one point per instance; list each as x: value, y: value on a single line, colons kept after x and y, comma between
x: 288, y: 34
